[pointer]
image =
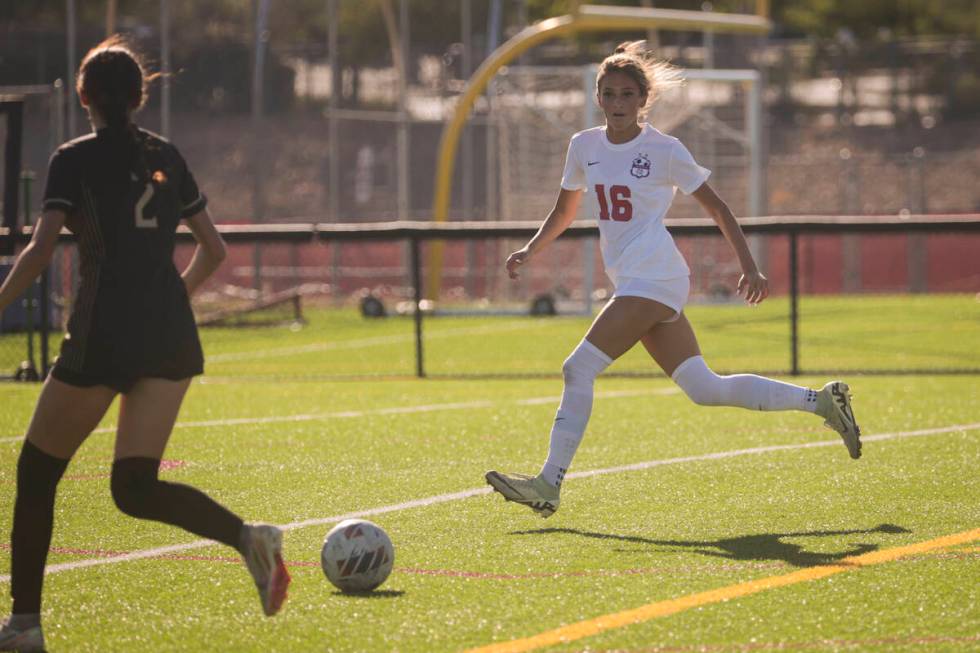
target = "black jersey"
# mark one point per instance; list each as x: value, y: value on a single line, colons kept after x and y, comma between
x: 125, y: 190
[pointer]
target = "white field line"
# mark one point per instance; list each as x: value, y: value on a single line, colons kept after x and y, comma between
x: 465, y: 494
x: 396, y: 410
x: 369, y: 342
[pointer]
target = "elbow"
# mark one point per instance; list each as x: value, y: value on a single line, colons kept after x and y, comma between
x: 38, y: 255
x: 217, y: 252
x: 721, y: 210
x: 723, y: 215
x: 220, y: 254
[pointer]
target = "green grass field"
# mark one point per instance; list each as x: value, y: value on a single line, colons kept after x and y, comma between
x: 848, y: 333
x: 727, y: 496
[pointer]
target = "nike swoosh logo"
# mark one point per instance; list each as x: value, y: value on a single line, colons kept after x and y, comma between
x: 592, y: 163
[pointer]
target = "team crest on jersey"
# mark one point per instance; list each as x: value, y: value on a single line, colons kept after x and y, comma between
x: 641, y: 167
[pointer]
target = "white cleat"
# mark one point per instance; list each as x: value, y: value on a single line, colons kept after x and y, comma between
x: 834, y: 405
x: 14, y: 639
x: 531, y: 491
x: 263, y: 557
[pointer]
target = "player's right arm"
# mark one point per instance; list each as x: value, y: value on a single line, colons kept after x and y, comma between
x: 566, y: 207
x: 208, y: 255
x: 34, y: 258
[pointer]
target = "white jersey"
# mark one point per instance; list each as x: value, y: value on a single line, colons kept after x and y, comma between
x: 629, y: 187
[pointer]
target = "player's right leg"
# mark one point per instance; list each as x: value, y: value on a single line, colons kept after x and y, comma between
x: 615, y: 330
x: 64, y: 417
x: 261, y: 546
x: 147, y: 414
x: 532, y: 491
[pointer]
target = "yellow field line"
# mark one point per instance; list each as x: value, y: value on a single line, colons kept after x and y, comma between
x: 597, y: 625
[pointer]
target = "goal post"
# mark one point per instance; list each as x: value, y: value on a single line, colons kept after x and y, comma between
x: 587, y: 18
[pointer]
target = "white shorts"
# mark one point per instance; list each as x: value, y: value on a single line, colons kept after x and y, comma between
x: 670, y: 292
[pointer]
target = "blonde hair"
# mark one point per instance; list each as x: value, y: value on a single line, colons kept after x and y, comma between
x: 651, y: 75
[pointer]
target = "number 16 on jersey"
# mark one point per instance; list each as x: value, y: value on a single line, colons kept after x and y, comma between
x: 618, y: 201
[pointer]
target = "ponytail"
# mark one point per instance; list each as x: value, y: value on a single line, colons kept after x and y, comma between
x: 113, y: 79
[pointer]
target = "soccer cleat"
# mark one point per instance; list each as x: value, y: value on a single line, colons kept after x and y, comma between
x: 834, y: 405
x: 263, y: 557
x: 14, y: 639
x: 531, y: 491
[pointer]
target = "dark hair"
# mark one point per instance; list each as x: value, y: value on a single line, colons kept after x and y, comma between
x: 633, y: 59
x: 113, y: 80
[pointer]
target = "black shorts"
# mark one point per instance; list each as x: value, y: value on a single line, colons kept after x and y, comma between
x: 118, y: 357
x: 119, y: 381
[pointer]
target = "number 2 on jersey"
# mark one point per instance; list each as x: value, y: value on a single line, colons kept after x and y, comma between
x: 619, y: 198
x: 142, y: 222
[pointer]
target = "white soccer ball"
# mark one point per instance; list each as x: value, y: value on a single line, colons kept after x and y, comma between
x: 357, y: 555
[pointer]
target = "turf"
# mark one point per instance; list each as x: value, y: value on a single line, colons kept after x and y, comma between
x: 854, y: 333
x: 475, y: 570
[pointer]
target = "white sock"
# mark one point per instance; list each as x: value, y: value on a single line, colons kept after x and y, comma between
x: 580, y: 371
x: 706, y: 388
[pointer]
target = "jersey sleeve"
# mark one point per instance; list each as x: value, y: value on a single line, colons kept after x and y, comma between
x: 684, y: 172
x: 191, y: 199
x: 63, y: 189
x: 573, y: 178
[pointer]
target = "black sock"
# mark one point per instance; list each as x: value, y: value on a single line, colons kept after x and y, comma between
x: 24, y: 621
x: 37, y: 480
x: 139, y: 493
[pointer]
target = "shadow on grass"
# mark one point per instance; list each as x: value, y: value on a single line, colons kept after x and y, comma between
x: 372, y: 594
x: 765, y: 546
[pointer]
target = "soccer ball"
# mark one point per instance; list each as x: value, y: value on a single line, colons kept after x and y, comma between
x: 357, y: 555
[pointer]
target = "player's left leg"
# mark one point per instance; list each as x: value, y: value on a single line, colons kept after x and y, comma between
x: 146, y: 417
x: 617, y: 328
x: 65, y: 415
x: 674, y: 346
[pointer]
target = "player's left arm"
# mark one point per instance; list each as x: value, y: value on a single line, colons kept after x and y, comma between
x: 752, y: 285
x: 34, y: 258
x: 208, y: 255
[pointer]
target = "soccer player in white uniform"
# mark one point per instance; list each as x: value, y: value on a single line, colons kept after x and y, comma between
x: 629, y: 172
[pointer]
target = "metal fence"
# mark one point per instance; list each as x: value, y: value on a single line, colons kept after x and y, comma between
x: 386, y: 262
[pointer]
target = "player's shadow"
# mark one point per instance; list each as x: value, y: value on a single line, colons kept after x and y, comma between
x: 372, y: 594
x: 765, y: 546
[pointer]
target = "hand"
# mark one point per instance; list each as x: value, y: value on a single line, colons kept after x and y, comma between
x: 516, y: 260
x: 754, y: 287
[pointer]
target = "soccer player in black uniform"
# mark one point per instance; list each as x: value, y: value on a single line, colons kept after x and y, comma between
x: 122, y: 191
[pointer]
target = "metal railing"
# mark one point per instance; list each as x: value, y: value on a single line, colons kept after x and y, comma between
x: 417, y: 233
